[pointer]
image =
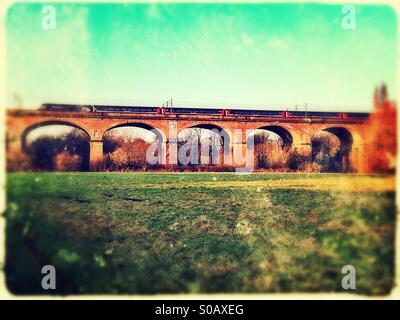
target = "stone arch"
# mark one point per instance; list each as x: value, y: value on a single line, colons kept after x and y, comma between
x: 85, y: 160
x: 158, y: 148
x: 356, y: 134
x: 287, y: 136
x: 211, y: 126
x: 225, y: 134
x: 158, y: 132
x: 271, y: 154
x: 348, y: 138
x: 37, y: 125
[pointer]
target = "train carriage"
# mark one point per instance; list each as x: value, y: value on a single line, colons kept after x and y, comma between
x: 203, y: 111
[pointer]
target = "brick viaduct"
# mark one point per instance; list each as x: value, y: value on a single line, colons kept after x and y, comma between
x: 297, y: 132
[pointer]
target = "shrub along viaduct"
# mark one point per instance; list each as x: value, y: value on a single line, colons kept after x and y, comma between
x: 296, y: 132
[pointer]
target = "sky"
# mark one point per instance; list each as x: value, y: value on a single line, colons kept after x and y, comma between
x: 254, y: 56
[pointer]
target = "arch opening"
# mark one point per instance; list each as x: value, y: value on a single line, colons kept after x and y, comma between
x: 285, y: 136
x: 125, y: 146
x: 331, y: 148
x: 272, y: 146
x: 56, y: 146
x: 203, y: 144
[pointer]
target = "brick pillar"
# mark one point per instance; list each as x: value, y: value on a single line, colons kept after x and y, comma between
x: 171, y: 147
x: 96, y: 154
x: 171, y: 144
x: 226, y: 157
x: 358, y: 159
x: 239, y: 148
x: 243, y: 151
x: 13, y: 143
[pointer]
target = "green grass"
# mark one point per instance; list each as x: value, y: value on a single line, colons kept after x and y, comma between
x: 180, y: 233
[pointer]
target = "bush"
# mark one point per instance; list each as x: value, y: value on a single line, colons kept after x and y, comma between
x: 312, y: 167
x: 269, y: 153
x: 67, y: 162
x: 126, y: 153
x: 295, y: 160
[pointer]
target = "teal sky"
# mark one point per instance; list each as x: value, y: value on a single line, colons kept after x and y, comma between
x: 223, y: 55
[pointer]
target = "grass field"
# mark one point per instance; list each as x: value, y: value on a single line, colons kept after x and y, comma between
x: 199, y: 233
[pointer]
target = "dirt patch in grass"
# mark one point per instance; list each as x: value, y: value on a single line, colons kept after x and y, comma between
x: 133, y: 199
